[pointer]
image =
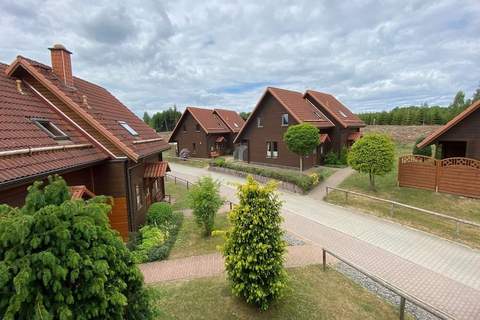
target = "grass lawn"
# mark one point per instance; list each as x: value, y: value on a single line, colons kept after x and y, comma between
x: 387, y: 188
x: 178, y: 192
x: 170, y: 156
x: 192, y: 242
x: 311, y: 294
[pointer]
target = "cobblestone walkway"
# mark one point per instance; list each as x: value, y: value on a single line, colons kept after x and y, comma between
x: 212, y: 264
x: 439, y: 272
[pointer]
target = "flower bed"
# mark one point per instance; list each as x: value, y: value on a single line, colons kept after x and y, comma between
x: 293, y: 181
x: 154, y: 241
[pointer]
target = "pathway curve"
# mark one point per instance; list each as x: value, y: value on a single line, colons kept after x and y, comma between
x: 212, y: 264
x: 438, y: 271
x: 334, y: 180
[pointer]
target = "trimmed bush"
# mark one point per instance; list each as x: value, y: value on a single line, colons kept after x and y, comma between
x: 334, y: 159
x: 59, y: 259
x: 152, y: 237
x: 426, y: 151
x: 305, y: 182
x: 254, y: 246
x: 205, y: 200
x: 373, y: 154
x: 301, y: 139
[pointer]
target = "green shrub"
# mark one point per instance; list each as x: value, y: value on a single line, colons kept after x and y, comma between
x: 205, y: 201
x: 219, y: 162
x: 331, y: 158
x: 59, y: 259
x: 334, y: 159
x: 160, y: 219
x: 373, y: 154
x: 343, y: 157
x: 426, y: 151
x: 160, y: 214
x: 254, y: 245
x: 303, y: 181
x: 151, y: 238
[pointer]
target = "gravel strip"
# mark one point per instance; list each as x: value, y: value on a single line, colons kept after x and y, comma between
x: 382, y: 292
x: 292, y: 240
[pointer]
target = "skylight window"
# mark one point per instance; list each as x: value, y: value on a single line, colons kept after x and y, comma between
x: 235, y: 124
x: 127, y: 127
x: 342, y: 113
x: 51, y: 129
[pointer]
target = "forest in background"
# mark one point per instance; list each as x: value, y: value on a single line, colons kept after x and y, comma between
x: 420, y: 115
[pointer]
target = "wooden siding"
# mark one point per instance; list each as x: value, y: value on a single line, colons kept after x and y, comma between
x: 118, y: 217
x: 271, y: 113
x: 459, y: 176
x: 186, y: 139
x: 467, y: 130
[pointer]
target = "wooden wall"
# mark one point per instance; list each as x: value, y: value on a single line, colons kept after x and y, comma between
x: 185, y: 139
x: 271, y: 113
x: 459, y: 176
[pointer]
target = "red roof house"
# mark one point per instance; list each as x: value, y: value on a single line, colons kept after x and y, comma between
x: 205, y: 132
x: 52, y: 122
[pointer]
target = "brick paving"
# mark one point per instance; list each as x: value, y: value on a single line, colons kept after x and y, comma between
x: 439, y: 272
x: 212, y: 264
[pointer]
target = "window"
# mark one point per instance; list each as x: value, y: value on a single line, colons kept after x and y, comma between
x: 272, y: 149
x: 184, y: 128
x: 51, y: 129
x: 235, y: 124
x: 127, y: 127
x: 342, y: 113
x: 285, y: 119
x: 138, y: 196
x: 259, y: 122
x: 197, y: 127
x: 194, y: 147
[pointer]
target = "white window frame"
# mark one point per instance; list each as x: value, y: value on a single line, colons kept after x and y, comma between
x: 342, y: 114
x: 41, y: 124
x: 197, y: 127
x: 138, y: 196
x: 283, y: 118
x: 259, y: 122
x: 127, y: 127
x: 272, y: 152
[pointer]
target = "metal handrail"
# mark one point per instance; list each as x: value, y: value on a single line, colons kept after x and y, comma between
x: 403, y: 295
x: 399, y: 204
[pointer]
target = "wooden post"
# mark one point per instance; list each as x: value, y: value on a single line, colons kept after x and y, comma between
x: 392, y: 209
x: 230, y: 202
x: 187, y: 184
x: 175, y: 180
x: 326, y: 189
x: 457, y: 228
x: 324, y: 259
x: 402, y: 308
x: 346, y: 196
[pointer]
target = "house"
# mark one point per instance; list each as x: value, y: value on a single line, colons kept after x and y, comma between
x: 460, y: 137
x: 261, y: 138
x: 52, y: 122
x: 206, y: 133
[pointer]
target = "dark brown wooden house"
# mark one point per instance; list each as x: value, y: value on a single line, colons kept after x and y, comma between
x: 261, y: 138
x: 206, y: 133
x: 52, y: 122
x: 460, y: 137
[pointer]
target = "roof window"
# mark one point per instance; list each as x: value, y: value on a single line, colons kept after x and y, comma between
x: 51, y: 129
x: 235, y: 124
x: 342, y: 113
x: 127, y: 127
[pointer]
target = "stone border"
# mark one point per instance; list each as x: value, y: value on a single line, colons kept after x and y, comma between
x: 262, y: 179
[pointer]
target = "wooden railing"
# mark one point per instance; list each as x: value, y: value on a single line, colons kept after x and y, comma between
x: 404, y: 296
x: 394, y: 204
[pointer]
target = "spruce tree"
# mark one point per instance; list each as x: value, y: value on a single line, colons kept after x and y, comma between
x: 59, y: 259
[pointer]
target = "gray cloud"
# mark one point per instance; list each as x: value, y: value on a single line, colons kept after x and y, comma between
x: 370, y: 54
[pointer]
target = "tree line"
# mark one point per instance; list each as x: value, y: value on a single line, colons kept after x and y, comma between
x: 421, y: 115
x: 163, y: 121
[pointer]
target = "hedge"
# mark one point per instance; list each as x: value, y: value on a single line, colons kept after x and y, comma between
x: 303, y: 181
x: 157, y: 237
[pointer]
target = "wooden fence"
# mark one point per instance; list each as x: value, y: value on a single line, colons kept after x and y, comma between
x: 459, y: 176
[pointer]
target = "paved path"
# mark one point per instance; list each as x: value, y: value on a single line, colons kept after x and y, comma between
x: 440, y: 272
x: 213, y: 264
x: 333, y: 181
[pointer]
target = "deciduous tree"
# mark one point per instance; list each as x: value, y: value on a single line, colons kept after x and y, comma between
x: 205, y: 201
x: 301, y: 139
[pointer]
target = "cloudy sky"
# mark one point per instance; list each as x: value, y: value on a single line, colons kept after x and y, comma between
x: 372, y: 55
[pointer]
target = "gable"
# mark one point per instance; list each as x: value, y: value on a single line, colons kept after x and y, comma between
x: 189, y: 122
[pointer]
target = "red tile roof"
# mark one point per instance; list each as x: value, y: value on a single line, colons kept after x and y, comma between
x: 18, y: 131
x: 437, y: 134
x: 336, y: 109
x: 231, y: 118
x: 208, y: 120
x: 102, y: 109
x: 354, y: 136
x: 300, y: 108
x: 324, y: 137
x: 156, y: 169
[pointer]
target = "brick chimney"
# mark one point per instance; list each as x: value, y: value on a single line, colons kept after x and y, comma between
x: 62, y: 64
